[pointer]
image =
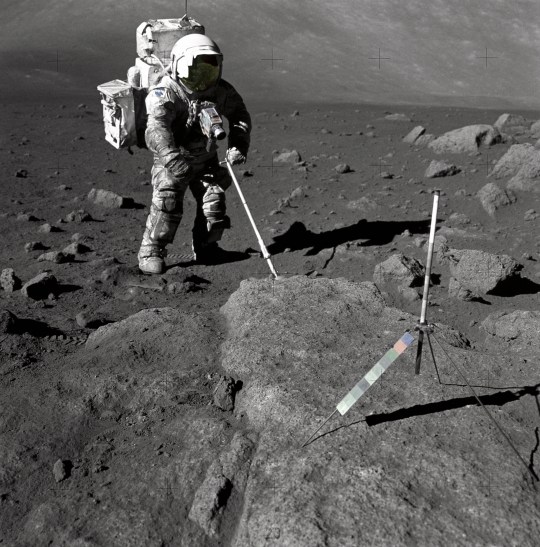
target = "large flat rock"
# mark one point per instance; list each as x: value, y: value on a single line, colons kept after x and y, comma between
x: 410, y: 464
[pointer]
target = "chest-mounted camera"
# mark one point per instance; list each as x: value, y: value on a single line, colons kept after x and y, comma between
x: 211, y: 123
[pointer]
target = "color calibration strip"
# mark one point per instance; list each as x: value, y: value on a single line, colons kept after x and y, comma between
x: 375, y: 373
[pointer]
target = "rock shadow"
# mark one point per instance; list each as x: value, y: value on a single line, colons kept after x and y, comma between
x: 514, y: 286
x: 378, y: 232
x: 39, y: 329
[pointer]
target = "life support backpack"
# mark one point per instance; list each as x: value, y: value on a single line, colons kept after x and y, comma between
x: 123, y: 101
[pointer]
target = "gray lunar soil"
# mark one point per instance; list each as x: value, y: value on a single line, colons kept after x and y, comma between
x: 171, y: 410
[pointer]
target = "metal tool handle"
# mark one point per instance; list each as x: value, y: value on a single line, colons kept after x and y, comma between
x: 264, y: 250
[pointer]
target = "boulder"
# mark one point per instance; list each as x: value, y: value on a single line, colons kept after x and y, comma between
x: 480, y: 272
x: 466, y: 139
x: 413, y: 135
x: 441, y: 169
x: 512, y: 124
x: 399, y: 270
x: 40, y: 286
x: 535, y: 130
x: 517, y: 330
x: 363, y: 477
x: 514, y: 159
x: 527, y: 179
x: 424, y: 140
x: 492, y: 197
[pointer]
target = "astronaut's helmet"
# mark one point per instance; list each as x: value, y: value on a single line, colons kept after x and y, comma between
x: 196, y: 62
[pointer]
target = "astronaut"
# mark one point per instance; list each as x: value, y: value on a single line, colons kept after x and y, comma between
x: 183, y: 155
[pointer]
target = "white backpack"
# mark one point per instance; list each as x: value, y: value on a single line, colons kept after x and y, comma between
x: 124, y: 109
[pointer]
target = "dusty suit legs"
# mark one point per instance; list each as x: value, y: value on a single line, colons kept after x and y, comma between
x: 207, y: 184
x: 210, y: 220
x: 165, y: 216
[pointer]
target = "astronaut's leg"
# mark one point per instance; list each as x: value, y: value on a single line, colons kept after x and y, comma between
x: 210, y: 220
x: 162, y: 222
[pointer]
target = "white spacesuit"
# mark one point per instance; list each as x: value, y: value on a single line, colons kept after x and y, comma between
x: 183, y: 155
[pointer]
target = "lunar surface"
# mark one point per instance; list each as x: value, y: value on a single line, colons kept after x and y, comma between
x: 174, y: 410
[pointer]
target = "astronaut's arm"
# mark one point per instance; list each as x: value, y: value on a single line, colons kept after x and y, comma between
x: 159, y: 136
x: 239, y: 121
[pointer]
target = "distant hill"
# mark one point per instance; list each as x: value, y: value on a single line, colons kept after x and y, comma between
x: 431, y: 50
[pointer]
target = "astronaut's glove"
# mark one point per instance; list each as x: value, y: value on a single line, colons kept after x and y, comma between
x: 235, y: 157
x: 179, y: 167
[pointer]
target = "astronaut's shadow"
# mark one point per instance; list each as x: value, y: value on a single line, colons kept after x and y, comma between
x: 376, y: 232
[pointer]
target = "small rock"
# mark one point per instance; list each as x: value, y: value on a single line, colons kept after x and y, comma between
x: 299, y: 192
x: 398, y: 118
x: 225, y: 391
x: 78, y: 216
x: 103, y: 262
x: 459, y: 219
x: 109, y: 199
x: 342, y: 168
x: 530, y: 214
x: 455, y: 290
x: 48, y: 228
x: 399, y: 269
x: 91, y: 320
x: 76, y: 248
x: 26, y: 217
x: 386, y: 175
x: 408, y: 293
x: 363, y: 204
x: 8, y: 322
x: 287, y: 156
x: 441, y: 169
x: 61, y: 470
x: 21, y: 173
x: 9, y: 281
x: 58, y: 257
x: 40, y: 286
x: 492, y: 197
x: 411, y: 137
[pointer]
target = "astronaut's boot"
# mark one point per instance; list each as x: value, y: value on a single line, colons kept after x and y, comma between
x: 205, y: 245
x: 151, y: 259
x: 161, y: 226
